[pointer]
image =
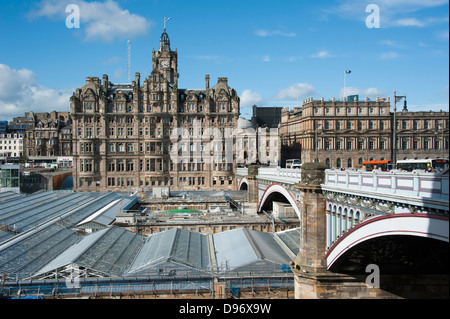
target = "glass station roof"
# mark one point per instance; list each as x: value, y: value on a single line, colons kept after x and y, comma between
x: 40, y: 238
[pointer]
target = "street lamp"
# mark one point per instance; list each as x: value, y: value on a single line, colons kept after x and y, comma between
x: 317, y: 125
x: 436, y: 132
x: 397, y: 98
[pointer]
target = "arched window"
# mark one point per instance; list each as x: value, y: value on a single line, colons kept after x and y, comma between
x: 338, y: 162
x: 349, y: 163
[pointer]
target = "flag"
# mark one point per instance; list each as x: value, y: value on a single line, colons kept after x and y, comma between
x: 398, y: 98
x: 348, y: 71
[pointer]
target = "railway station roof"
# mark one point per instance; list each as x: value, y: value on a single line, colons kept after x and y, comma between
x: 45, y: 249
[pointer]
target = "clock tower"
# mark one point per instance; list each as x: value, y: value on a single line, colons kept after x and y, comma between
x: 165, y: 66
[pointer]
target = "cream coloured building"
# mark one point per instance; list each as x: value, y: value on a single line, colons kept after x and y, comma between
x: 11, y: 145
x: 344, y: 133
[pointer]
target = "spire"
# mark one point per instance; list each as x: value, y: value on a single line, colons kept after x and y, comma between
x: 165, y: 41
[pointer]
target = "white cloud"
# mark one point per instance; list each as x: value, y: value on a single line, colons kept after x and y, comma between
x: 20, y: 93
x: 99, y: 21
x: 371, y: 93
x: 389, y: 55
x: 266, y: 33
x: 321, y: 55
x: 111, y: 61
x: 266, y: 58
x: 443, y: 35
x: 393, y: 44
x: 296, y: 91
x: 393, y: 13
x: 293, y: 58
x: 409, y: 22
x: 250, y: 98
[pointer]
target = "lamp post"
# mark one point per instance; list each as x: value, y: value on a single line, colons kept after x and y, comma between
x: 436, y: 132
x: 317, y: 125
x: 345, y: 81
x: 397, y: 98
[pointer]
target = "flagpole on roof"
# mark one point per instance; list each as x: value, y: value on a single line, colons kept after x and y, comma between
x: 165, y: 20
x: 345, y: 80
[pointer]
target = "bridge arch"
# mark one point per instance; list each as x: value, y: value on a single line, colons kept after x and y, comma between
x: 277, y: 189
x: 417, y: 225
x: 243, y: 184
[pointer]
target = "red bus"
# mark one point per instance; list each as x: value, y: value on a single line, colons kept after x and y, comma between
x: 385, y: 166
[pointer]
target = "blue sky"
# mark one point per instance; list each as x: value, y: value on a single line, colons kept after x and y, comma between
x: 274, y: 53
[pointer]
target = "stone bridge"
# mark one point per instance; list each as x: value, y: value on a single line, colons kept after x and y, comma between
x: 350, y: 219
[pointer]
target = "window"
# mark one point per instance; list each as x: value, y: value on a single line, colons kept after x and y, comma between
x: 111, y: 166
x: 360, y: 145
x: 120, y: 166
x: 404, y: 145
x: 130, y: 166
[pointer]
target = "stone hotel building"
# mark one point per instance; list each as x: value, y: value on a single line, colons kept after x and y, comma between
x: 345, y: 133
x: 139, y: 135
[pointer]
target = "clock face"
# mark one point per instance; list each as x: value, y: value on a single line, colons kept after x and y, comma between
x: 165, y: 64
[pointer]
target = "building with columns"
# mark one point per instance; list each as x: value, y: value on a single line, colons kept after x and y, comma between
x: 345, y: 133
x: 140, y: 135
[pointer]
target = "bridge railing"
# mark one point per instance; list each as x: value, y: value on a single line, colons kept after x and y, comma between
x: 424, y: 185
x: 242, y: 171
x: 276, y: 174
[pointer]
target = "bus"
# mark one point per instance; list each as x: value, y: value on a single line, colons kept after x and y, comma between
x: 385, y: 165
x: 293, y: 163
x: 427, y: 164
